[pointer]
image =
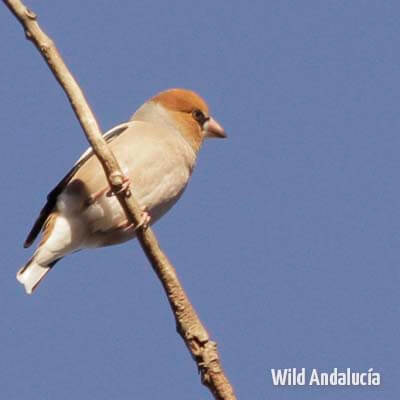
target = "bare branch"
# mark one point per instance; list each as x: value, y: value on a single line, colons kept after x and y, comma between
x: 203, y: 350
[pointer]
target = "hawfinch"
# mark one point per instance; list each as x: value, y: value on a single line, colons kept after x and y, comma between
x: 157, y: 152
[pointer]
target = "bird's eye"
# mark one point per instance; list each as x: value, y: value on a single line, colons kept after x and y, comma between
x: 199, y: 116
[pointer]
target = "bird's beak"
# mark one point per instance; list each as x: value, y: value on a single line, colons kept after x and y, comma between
x: 212, y: 129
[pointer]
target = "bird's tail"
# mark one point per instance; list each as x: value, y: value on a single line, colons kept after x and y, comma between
x: 31, y: 274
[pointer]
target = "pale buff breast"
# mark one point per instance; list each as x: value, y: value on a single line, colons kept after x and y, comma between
x: 159, y: 165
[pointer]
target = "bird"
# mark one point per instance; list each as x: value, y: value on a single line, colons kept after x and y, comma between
x: 156, y: 149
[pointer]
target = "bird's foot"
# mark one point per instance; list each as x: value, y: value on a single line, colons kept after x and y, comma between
x: 144, y: 220
x: 106, y: 191
x: 95, y: 196
x: 124, y: 188
x: 124, y: 226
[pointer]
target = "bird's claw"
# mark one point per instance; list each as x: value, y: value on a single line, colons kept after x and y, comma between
x: 143, y: 224
x: 124, y: 188
x: 144, y: 220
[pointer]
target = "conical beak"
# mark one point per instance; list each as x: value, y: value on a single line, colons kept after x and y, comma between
x: 213, y: 129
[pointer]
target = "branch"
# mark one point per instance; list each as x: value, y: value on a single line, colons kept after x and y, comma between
x: 203, y: 350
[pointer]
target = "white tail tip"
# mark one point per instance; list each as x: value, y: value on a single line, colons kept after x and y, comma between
x: 31, y: 275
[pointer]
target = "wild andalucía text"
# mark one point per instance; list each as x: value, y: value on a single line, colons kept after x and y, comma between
x: 336, y: 377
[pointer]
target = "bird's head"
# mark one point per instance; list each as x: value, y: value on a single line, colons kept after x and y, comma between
x: 188, y: 113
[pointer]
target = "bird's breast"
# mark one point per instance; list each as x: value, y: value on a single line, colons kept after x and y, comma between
x: 158, y: 169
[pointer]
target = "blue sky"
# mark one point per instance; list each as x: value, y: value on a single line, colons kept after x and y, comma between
x: 287, y: 238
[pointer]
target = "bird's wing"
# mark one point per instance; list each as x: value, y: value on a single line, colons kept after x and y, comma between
x: 52, y: 196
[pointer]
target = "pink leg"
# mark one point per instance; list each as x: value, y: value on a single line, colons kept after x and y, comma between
x: 144, y: 222
x: 124, y: 187
x: 95, y: 196
x: 106, y: 191
x: 145, y: 219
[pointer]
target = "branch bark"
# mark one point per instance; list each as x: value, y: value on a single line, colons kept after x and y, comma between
x: 203, y: 350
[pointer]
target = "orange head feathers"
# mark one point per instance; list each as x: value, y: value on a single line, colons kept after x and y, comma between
x: 190, y: 114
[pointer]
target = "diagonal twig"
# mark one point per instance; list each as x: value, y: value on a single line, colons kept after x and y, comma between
x: 203, y: 350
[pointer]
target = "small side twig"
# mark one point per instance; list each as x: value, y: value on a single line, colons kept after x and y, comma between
x: 203, y: 350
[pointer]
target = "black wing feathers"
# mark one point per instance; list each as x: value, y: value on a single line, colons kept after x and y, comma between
x: 52, y: 196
